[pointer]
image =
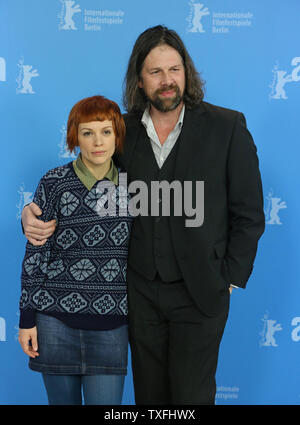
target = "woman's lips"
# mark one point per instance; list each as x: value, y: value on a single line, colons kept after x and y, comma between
x: 98, y: 152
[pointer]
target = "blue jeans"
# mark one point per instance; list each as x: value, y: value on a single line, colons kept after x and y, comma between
x: 97, y: 389
x: 67, y: 351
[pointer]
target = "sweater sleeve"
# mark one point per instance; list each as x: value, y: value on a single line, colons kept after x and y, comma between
x: 36, y: 260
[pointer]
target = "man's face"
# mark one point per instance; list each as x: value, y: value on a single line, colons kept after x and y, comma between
x: 163, y: 78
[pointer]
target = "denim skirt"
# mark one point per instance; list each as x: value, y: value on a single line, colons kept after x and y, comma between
x: 67, y: 351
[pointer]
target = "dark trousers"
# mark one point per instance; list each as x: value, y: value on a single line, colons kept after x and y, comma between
x: 174, y: 347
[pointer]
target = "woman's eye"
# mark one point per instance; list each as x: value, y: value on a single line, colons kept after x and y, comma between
x: 87, y: 133
x: 107, y: 131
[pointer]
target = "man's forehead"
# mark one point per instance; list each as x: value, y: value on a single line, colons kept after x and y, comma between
x: 163, y: 55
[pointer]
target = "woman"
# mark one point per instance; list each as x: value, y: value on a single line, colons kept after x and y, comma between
x: 73, y: 307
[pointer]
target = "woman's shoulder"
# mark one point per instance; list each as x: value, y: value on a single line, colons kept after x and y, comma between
x: 58, y: 173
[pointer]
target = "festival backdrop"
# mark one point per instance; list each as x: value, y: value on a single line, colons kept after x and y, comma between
x: 56, y: 52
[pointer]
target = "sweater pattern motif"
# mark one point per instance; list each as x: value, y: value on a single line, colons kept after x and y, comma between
x: 82, y: 267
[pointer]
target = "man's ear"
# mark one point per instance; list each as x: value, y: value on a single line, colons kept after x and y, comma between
x: 140, y: 83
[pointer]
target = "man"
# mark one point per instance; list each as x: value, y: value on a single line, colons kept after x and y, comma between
x: 180, y: 277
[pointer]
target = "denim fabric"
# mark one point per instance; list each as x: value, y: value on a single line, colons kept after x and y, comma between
x: 97, y: 389
x: 67, y: 351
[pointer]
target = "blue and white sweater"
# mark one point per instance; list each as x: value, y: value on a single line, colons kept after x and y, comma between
x: 79, y: 275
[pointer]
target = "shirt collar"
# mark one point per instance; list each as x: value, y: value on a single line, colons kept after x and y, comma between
x: 147, y: 117
x: 88, y: 179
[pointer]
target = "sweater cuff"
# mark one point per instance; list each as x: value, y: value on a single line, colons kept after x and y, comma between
x: 21, y: 219
x: 27, y: 319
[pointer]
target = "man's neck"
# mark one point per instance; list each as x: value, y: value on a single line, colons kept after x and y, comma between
x: 165, y: 122
x: 165, y: 119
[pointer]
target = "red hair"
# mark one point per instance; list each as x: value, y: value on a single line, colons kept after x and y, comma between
x: 95, y: 108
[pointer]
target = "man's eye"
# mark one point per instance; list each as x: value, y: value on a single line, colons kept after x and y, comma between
x: 155, y: 72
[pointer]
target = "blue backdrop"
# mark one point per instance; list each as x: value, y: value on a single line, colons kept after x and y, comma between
x: 55, y: 52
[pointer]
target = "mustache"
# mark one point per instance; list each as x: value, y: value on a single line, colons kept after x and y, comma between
x: 167, y: 88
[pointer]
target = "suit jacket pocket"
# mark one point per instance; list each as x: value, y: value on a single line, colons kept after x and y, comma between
x: 220, y: 249
x: 220, y: 254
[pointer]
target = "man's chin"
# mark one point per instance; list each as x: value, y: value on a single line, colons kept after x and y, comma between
x: 165, y: 105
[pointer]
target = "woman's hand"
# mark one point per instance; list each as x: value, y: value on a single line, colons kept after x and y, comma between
x: 35, y: 230
x: 25, y: 336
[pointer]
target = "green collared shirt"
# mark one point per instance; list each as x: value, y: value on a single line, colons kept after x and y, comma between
x: 88, y: 179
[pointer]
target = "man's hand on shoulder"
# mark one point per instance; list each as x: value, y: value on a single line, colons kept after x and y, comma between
x: 36, y: 231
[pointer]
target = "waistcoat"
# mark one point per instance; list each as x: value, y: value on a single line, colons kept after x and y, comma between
x: 152, y: 234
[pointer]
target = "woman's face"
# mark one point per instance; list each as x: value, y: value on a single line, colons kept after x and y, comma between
x: 96, y: 140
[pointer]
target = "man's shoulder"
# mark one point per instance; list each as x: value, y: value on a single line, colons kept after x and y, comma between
x: 132, y: 118
x: 217, y: 111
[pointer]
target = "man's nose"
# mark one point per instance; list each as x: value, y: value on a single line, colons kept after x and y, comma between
x: 166, y: 79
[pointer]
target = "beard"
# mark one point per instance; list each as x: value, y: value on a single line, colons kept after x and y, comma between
x: 169, y: 104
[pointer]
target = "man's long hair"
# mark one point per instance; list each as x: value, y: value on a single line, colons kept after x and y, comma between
x: 134, y: 98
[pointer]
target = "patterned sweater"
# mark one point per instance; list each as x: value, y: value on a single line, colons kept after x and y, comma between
x: 79, y: 275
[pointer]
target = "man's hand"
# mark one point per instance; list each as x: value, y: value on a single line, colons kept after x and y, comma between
x: 230, y: 289
x: 26, y: 335
x: 35, y: 230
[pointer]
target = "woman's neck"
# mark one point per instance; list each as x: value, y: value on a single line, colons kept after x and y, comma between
x: 98, y: 171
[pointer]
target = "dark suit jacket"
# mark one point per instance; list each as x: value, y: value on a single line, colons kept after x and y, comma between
x: 217, y: 148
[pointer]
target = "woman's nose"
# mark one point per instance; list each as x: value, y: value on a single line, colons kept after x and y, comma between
x: 98, y: 139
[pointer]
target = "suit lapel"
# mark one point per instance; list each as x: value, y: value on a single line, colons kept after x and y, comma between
x: 194, y: 133
x: 192, y: 136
